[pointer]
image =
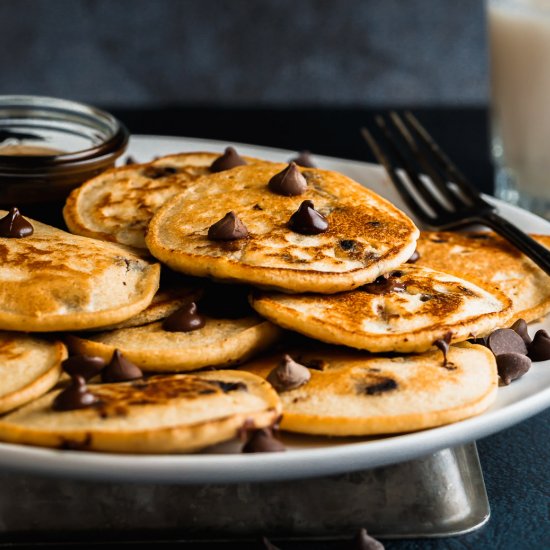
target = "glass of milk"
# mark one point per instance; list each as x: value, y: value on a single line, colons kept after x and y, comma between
x: 519, y: 38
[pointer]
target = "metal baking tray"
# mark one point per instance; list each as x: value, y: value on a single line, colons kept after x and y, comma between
x: 440, y: 495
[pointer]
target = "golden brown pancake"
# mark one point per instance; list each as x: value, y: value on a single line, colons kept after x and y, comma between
x: 492, y: 262
x: 405, y: 312
x: 355, y: 393
x: 162, y: 414
x: 118, y: 204
x: 53, y: 281
x: 221, y: 342
x: 29, y: 367
x: 367, y: 235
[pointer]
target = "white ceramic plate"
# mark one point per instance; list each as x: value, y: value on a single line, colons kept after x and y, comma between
x: 306, y: 457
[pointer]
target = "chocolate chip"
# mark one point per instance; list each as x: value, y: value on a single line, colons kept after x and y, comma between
x: 185, y: 319
x: 130, y: 160
x: 506, y: 340
x: 289, y: 182
x: 262, y: 441
x: 539, y: 348
x: 86, y: 366
x: 304, y: 159
x: 478, y: 236
x: 229, y: 228
x: 15, y: 226
x: 385, y: 284
x: 157, y: 172
x: 414, y: 258
x: 228, y: 160
x: 307, y: 221
x: 288, y: 375
x: 120, y: 369
x: 382, y: 385
x: 75, y: 396
x: 443, y: 345
x: 425, y: 297
x: 364, y: 541
x: 348, y: 244
x: 512, y: 365
x: 520, y: 326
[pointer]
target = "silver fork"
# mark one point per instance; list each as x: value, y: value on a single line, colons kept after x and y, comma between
x: 442, y: 198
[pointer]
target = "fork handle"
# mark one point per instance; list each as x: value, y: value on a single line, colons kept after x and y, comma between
x: 523, y: 242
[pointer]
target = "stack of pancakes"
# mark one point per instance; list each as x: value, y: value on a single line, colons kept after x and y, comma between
x: 341, y: 316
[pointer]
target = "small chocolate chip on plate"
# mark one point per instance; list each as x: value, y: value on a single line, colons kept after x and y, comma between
x: 229, y: 228
x: 512, y: 365
x: 75, y: 396
x: 307, y: 221
x: 414, y: 258
x: 288, y: 375
x: 506, y: 340
x: 185, y: 319
x: 15, y: 226
x: 520, y: 326
x: 363, y: 541
x: 304, y: 159
x: 229, y: 159
x: 120, y: 369
x: 539, y: 348
x: 86, y: 366
x: 262, y: 441
x: 289, y: 182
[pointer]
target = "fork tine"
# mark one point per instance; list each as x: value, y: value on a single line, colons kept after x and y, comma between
x: 419, y: 185
x: 390, y: 170
x: 452, y: 172
x: 437, y: 178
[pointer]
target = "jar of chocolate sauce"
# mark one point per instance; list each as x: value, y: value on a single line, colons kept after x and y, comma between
x: 48, y: 147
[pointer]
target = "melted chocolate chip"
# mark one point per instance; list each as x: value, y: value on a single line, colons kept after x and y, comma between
x: 512, y: 365
x: 307, y: 221
x: 229, y: 228
x: 15, y: 226
x: 414, y: 258
x: 364, y: 541
x: 120, y: 369
x: 75, y: 396
x: 304, y: 159
x: 539, y: 348
x: 385, y: 284
x: 520, y: 327
x: 443, y: 345
x: 289, y: 182
x: 426, y: 297
x: 228, y: 160
x: 506, y: 340
x: 348, y: 244
x: 383, y: 385
x: 227, y: 387
x: 157, y: 172
x: 262, y: 441
x: 185, y: 319
x: 86, y: 366
x: 288, y: 375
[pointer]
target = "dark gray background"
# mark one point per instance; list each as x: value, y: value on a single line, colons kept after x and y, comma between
x: 239, y: 52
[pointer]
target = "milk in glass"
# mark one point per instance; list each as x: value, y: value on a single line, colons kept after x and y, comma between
x: 519, y: 34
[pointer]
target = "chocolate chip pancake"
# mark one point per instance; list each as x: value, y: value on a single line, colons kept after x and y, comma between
x: 220, y: 342
x: 330, y: 236
x: 52, y: 280
x: 118, y: 204
x: 490, y: 261
x: 354, y: 393
x: 405, y: 311
x: 29, y: 367
x: 162, y: 414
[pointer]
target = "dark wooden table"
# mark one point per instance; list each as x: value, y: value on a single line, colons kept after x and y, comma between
x: 516, y: 462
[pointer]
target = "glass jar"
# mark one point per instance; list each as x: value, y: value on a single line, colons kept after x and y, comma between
x: 49, y: 146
